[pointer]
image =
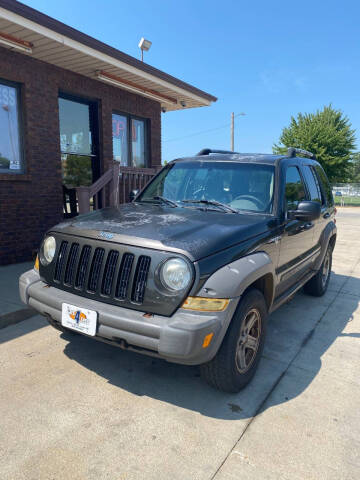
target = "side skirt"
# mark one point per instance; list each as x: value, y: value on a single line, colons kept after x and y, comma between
x: 284, y: 297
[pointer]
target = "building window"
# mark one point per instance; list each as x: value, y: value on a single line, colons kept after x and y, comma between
x: 11, y: 155
x: 130, y: 146
x: 138, y: 143
x: 120, y: 139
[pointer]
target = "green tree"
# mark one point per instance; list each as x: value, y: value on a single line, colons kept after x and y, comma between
x: 328, y: 134
x: 4, y: 162
x: 354, y: 168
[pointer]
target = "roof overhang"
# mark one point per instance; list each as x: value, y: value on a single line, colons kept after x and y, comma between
x: 39, y: 36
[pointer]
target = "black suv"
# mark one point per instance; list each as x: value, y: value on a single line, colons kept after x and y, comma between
x: 190, y: 270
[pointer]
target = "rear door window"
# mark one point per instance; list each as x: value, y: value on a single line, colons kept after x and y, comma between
x: 312, y: 183
x: 325, y: 185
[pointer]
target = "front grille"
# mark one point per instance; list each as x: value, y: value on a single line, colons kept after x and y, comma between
x: 70, y: 267
x: 124, y: 276
x: 83, y: 265
x: 141, y: 274
x: 60, y: 261
x: 95, y: 269
x: 108, y: 273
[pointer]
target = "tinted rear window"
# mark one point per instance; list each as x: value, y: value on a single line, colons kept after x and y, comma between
x: 325, y: 185
x: 313, y: 184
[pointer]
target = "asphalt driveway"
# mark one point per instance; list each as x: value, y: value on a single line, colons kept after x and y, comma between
x: 73, y: 408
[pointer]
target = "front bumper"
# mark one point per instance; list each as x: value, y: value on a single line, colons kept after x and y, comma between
x: 178, y: 338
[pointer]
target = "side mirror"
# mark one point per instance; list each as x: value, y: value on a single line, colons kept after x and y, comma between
x: 132, y: 195
x: 307, y: 211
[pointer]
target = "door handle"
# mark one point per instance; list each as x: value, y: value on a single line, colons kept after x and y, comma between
x: 326, y: 215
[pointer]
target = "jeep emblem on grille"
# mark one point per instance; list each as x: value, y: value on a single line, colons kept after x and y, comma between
x: 106, y: 235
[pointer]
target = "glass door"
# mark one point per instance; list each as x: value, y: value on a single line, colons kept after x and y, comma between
x: 78, y: 145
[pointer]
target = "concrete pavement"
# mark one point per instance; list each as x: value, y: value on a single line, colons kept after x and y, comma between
x: 12, y: 310
x: 9, y: 294
x: 77, y: 409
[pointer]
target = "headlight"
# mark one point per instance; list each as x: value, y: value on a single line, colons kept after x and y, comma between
x: 175, y: 274
x: 48, y: 250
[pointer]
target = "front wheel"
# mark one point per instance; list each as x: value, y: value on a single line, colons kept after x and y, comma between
x: 238, y: 357
x: 318, y: 284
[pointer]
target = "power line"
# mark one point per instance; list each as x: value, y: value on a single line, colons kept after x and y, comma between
x: 202, y: 132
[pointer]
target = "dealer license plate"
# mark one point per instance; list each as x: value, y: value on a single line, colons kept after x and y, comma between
x: 79, y: 319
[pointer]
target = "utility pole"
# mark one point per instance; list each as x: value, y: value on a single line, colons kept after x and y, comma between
x: 242, y: 114
x: 232, y: 132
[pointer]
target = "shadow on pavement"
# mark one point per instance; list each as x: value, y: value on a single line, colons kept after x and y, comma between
x: 293, y: 328
x: 16, y: 330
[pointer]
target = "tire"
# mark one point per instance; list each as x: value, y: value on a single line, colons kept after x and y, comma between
x: 238, y: 357
x: 318, y: 284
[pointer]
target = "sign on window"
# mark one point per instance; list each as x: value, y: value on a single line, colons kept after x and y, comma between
x: 10, y: 151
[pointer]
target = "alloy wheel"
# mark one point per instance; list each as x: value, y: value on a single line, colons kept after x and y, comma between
x: 325, y: 269
x: 249, y: 340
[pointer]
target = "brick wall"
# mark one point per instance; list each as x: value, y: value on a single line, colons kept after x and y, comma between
x: 32, y: 203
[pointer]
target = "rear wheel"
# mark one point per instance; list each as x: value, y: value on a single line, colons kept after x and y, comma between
x: 238, y: 357
x: 318, y: 284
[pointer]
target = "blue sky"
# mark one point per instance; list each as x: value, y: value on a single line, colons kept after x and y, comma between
x: 267, y: 59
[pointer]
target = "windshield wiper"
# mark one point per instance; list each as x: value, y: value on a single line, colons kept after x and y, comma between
x: 225, y: 207
x: 165, y: 200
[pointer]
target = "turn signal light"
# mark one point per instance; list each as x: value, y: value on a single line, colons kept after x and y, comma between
x: 205, y: 304
x: 36, y: 266
x: 207, y: 340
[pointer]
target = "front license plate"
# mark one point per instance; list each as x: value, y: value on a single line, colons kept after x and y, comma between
x: 79, y: 319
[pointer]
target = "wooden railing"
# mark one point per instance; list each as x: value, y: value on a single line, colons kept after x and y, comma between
x: 113, y: 187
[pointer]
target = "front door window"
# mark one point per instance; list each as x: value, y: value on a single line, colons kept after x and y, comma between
x: 294, y: 188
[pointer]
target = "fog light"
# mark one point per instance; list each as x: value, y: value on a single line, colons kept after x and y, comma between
x: 206, y: 304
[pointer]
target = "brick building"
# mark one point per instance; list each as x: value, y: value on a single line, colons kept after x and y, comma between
x: 70, y: 106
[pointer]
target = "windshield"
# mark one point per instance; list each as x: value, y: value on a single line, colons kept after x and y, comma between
x: 241, y: 186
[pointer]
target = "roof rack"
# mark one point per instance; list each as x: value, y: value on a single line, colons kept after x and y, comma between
x: 207, y: 151
x: 292, y: 152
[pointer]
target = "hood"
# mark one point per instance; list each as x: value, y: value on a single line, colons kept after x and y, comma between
x: 189, y: 230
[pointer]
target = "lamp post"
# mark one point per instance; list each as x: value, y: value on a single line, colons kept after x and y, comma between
x: 144, y: 45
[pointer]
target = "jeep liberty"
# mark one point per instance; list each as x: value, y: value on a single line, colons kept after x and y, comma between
x: 190, y: 269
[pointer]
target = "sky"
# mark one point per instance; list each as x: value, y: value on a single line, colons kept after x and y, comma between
x: 267, y: 59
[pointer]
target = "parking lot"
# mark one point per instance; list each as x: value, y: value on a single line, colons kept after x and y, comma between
x: 73, y: 408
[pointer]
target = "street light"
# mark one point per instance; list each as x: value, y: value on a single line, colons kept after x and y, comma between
x: 144, y: 45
